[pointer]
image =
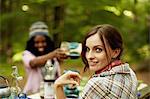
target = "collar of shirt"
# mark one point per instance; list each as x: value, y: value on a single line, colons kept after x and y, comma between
x: 109, y: 66
x: 117, y: 69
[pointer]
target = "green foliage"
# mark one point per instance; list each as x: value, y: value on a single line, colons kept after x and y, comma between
x: 79, y: 17
x: 144, y: 51
x: 17, y: 57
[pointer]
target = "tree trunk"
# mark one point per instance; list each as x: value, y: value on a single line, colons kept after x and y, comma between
x: 148, y: 25
x: 44, y: 11
x: 6, y: 33
x: 135, y: 18
x: 58, y: 24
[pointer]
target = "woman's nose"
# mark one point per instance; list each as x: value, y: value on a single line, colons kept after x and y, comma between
x: 90, y: 55
x: 40, y: 44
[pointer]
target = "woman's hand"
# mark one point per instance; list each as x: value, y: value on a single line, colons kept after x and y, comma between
x: 69, y: 77
x: 60, y: 54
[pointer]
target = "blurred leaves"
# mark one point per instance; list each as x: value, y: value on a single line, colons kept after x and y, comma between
x: 144, y: 51
x: 132, y: 17
x: 17, y: 57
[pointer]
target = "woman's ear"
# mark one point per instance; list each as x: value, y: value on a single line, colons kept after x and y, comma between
x: 116, y: 52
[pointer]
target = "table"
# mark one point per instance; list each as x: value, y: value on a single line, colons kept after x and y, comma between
x: 35, y: 96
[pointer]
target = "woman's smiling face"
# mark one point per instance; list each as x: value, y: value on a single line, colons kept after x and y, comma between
x: 40, y: 43
x: 95, y: 53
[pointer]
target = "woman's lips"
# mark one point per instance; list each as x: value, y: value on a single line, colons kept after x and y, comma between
x: 41, y: 49
x: 92, y: 63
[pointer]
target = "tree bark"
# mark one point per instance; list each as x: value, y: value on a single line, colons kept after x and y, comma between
x: 6, y: 33
x: 58, y: 24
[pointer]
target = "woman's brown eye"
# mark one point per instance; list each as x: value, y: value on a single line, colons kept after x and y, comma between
x: 36, y: 42
x: 98, y: 50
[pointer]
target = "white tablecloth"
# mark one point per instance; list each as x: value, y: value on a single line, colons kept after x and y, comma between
x: 35, y: 96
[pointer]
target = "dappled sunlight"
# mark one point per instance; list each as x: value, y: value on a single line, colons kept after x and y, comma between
x: 112, y: 9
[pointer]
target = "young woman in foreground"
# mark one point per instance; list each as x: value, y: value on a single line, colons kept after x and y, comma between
x: 113, y: 79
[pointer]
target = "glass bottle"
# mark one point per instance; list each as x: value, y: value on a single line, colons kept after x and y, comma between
x: 15, y: 89
x: 49, y: 80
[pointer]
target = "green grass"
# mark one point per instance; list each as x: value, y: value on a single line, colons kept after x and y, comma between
x: 68, y: 64
x: 72, y: 64
x: 6, y: 69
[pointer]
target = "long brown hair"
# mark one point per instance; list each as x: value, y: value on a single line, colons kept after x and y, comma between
x: 109, y: 35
